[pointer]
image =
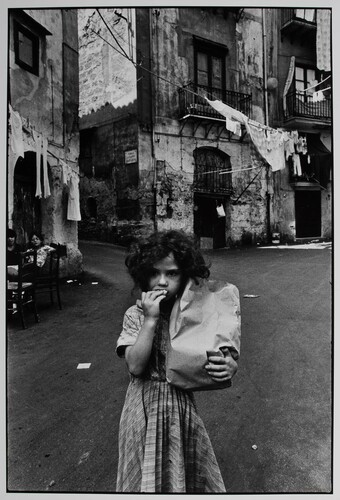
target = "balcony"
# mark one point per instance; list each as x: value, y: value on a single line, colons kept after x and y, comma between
x: 192, y: 103
x: 299, y: 23
x: 305, y: 115
x: 315, y: 167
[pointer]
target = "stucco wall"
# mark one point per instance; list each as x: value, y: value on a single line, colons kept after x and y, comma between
x: 106, y: 76
x: 173, y: 31
x: 39, y: 102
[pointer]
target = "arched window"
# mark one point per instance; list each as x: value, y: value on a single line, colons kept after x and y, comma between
x: 211, y: 174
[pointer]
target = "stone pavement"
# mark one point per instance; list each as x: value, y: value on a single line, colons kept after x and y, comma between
x: 271, y: 431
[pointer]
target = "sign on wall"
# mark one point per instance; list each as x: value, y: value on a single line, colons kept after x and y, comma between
x: 130, y: 156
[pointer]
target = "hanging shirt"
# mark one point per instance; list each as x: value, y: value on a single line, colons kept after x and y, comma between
x: 38, y: 143
x: 16, y: 137
x: 73, y: 207
x: 46, y: 184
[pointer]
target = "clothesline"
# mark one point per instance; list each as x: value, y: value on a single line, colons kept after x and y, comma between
x: 317, y: 84
x: 139, y: 65
x: 223, y: 172
x: 68, y: 161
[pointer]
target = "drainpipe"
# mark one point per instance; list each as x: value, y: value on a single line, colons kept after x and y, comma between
x: 266, y: 120
x: 152, y: 115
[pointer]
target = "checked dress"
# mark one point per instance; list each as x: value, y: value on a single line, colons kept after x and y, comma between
x: 163, y: 444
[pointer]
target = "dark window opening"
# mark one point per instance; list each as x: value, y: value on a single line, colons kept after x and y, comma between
x: 306, y: 77
x: 26, y: 47
x: 92, y: 207
x: 128, y: 209
x: 210, y: 68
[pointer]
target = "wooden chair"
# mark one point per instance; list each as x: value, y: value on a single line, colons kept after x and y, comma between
x: 48, y: 275
x: 21, y: 291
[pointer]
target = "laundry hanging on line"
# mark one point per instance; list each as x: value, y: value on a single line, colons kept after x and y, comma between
x: 42, y: 188
x: 269, y: 142
x: 71, y: 179
x: 16, y: 137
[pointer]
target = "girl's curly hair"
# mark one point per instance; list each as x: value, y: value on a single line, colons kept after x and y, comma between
x: 143, y: 254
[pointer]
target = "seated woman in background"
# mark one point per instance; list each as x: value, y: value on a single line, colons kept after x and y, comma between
x: 13, y: 249
x: 37, y: 243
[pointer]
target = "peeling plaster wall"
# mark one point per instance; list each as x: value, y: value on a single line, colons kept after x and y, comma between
x: 173, y: 31
x: 39, y: 101
x: 109, y: 129
x: 326, y: 214
x: 105, y: 75
x: 250, y: 59
x: 163, y: 195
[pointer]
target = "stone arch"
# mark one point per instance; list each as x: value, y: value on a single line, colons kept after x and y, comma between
x: 211, y: 171
x: 27, y: 210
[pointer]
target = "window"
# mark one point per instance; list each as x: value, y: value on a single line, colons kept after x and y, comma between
x: 210, y: 67
x: 304, y: 78
x: 212, y: 171
x: 26, y: 47
x: 306, y: 14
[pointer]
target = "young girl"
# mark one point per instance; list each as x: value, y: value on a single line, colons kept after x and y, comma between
x: 36, y: 240
x: 163, y: 444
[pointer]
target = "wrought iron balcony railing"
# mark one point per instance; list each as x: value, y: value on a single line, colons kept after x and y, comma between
x: 192, y: 102
x: 302, y: 105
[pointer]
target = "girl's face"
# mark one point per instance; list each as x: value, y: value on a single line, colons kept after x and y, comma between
x: 35, y: 241
x: 167, y: 276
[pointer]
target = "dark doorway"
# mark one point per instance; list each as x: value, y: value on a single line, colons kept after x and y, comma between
x: 26, y: 206
x: 308, y: 214
x: 207, y: 223
x: 212, y: 187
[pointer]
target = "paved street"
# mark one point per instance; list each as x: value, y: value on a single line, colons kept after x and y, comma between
x: 271, y: 431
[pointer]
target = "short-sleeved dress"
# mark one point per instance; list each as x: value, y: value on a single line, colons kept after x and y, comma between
x: 163, y: 444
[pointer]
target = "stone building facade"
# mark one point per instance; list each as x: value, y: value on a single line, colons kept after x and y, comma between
x: 155, y: 154
x: 43, y: 132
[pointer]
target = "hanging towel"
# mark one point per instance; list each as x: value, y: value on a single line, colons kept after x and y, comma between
x: 38, y: 139
x: 47, y: 191
x: 230, y: 125
x: 220, y: 210
x: 73, y: 208
x: 227, y: 111
x: 273, y: 153
x: 63, y: 166
x: 16, y: 138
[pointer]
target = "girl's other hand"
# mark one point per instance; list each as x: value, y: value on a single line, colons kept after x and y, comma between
x: 221, y: 368
x: 151, y: 301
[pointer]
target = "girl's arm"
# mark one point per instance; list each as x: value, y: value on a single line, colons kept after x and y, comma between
x: 138, y: 354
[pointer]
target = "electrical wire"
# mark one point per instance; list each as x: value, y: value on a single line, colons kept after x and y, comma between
x: 139, y: 65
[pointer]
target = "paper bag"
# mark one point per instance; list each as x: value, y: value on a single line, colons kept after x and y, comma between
x: 206, y: 318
